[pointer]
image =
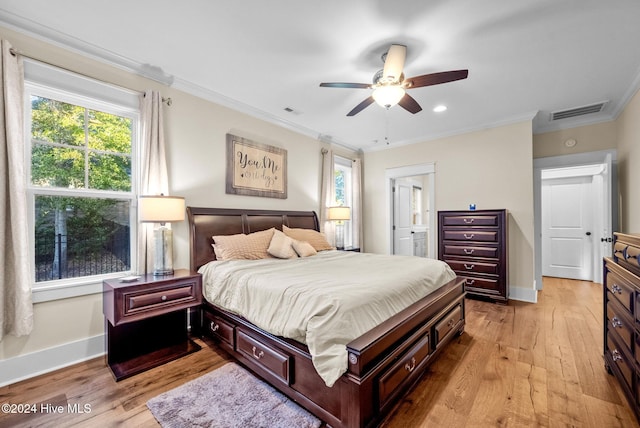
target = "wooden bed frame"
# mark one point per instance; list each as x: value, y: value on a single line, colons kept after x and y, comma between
x: 384, y: 363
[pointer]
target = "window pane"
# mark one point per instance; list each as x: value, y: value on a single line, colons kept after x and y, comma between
x: 57, y: 167
x: 57, y: 122
x: 340, y: 187
x: 77, y: 237
x: 109, y: 172
x: 108, y: 132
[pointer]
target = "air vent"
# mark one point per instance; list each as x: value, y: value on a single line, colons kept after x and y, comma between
x: 578, y: 111
x: 292, y: 111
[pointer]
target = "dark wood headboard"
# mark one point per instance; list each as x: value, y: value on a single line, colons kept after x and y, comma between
x: 204, y: 223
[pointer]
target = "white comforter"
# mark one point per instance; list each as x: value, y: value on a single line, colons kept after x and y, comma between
x: 324, y: 301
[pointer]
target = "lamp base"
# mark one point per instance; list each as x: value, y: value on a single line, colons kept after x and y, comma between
x: 339, y: 236
x: 163, y: 254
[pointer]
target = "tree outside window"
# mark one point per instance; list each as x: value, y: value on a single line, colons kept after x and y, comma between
x: 81, y: 180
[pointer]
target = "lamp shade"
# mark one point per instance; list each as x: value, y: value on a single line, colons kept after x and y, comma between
x: 339, y: 213
x: 161, y: 209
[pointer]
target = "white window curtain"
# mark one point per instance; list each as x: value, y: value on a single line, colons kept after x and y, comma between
x: 327, y: 198
x: 356, y: 209
x: 16, y: 306
x: 154, y: 178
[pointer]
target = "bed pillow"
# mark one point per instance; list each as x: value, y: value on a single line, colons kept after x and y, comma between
x: 303, y: 248
x: 316, y: 239
x: 243, y: 247
x: 281, y: 246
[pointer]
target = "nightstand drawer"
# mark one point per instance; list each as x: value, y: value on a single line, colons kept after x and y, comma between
x: 165, y: 297
x: 150, y: 296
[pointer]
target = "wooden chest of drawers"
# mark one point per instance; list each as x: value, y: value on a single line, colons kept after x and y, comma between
x: 621, y: 297
x: 474, y: 244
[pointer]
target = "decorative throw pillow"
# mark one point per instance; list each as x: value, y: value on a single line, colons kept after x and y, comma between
x: 281, y: 246
x: 315, y: 238
x: 243, y: 247
x: 303, y: 248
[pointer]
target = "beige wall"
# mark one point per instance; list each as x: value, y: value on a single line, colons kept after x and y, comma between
x: 628, y: 126
x: 195, y: 138
x: 492, y: 168
x: 590, y: 138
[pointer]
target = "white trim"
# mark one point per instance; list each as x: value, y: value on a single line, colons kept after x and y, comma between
x: 26, y: 366
x: 529, y: 295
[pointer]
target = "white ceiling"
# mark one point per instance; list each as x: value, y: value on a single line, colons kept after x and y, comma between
x: 525, y: 58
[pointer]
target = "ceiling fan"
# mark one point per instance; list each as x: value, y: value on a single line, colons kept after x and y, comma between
x: 389, y: 85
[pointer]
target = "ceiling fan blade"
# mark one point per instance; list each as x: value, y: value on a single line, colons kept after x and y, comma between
x: 408, y: 103
x: 435, y: 78
x: 364, y: 104
x: 394, y: 62
x: 346, y: 85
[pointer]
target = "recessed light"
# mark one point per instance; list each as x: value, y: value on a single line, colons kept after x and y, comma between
x: 440, y: 108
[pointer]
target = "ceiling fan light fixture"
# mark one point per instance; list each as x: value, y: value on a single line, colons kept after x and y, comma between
x: 389, y: 95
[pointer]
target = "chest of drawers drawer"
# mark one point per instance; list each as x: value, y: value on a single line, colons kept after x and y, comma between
x: 485, y: 251
x: 471, y: 235
x: 619, y: 322
x: 621, y: 290
x: 473, y: 266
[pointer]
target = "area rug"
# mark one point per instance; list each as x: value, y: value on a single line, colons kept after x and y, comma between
x: 228, y: 397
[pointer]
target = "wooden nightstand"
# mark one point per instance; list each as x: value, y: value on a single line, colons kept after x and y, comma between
x: 146, y: 320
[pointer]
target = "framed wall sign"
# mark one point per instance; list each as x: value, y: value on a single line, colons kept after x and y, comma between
x: 255, y: 169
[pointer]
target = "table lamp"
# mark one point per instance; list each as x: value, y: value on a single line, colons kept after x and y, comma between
x: 339, y: 215
x: 162, y: 209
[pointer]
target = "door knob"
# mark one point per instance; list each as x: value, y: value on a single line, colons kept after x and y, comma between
x: 588, y: 233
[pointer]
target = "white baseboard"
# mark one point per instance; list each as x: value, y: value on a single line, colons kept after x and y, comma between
x: 523, y: 294
x: 25, y: 366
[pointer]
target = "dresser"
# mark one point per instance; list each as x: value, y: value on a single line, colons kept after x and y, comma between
x: 622, y: 315
x: 475, y: 245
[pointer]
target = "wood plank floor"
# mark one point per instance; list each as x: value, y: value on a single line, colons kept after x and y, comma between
x: 516, y: 365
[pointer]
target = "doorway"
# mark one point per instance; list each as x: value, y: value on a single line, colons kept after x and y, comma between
x: 409, y: 227
x: 574, y: 215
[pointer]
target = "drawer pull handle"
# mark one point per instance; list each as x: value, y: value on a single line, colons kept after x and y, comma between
x: 214, y: 327
x: 616, y: 289
x: 468, y: 236
x: 451, y: 322
x: 468, y: 251
x: 258, y: 355
x: 469, y: 267
x: 411, y: 365
x: 163, y: 298
x: 468, y: 220
x: 616, y: 355
x: 470, y: 281
x: 615, y: 322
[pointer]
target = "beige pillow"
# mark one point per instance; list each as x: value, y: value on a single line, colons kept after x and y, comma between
x: 243, y: 247
x: 316, y: 239
x: 303, y: 248
x: 280, y: 246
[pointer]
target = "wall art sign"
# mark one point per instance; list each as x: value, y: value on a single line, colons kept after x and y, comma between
x: 255, y: 169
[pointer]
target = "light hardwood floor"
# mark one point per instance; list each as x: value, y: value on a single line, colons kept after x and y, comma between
x: 516, y: 365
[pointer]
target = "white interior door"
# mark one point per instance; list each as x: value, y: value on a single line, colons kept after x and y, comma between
x: 567, y: 238
x: 402, y: 237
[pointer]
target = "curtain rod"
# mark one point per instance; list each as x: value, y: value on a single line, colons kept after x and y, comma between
x: 14, y: 52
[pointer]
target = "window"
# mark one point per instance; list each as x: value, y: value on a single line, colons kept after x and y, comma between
x: 81, y: 177
x: 343, y: 190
